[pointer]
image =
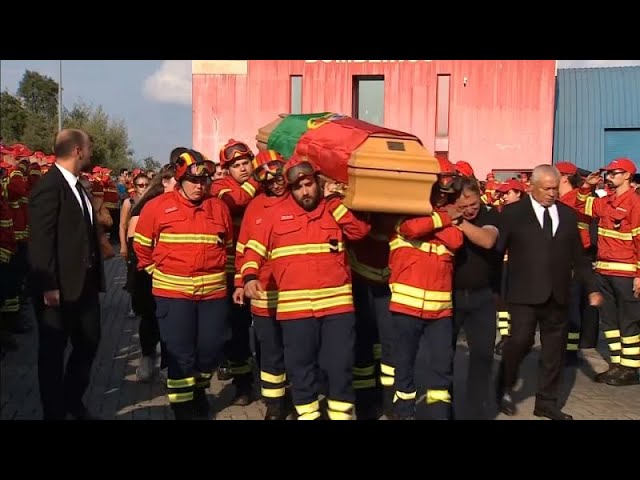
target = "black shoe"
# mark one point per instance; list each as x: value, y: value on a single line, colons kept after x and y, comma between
x: 623, y: 377
x: 244, y: 394
x: 602, y: 377
x: 507, y: 406
x: 224, y: 373
x: 82, y: 413
x: 276, y: 412
x: 552, y: 413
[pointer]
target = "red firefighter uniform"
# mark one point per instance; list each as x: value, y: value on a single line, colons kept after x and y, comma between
x: 584, y: 220
x: 111, y: 199
x: 618, y: 265
x: 309, y: 264
x: 35, y: 172
x: 421, y: 281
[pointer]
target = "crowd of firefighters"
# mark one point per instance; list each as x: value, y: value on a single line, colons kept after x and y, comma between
x: 334, y: 296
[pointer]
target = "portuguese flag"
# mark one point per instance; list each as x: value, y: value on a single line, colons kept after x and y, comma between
x: 328, y: 139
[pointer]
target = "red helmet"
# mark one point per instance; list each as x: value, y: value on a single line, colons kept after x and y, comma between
x: 233, y: 151
x: 267, y: 165
x: 446, y: 176
x: 192, y: 164
x: 297, y: 168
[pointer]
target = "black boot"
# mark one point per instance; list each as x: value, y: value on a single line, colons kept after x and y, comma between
x: 201, y: 404
x: 500, y: 346
x: 244, y: 390
x: 368, y: 404
x: 602, y: 377
x: 623, y: 377
x: 224, y: 372
x: 276, y: 409
x: 183, y: 410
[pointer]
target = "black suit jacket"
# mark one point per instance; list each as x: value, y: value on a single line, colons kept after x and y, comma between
x: 539, y: 268
x: 58, y: 241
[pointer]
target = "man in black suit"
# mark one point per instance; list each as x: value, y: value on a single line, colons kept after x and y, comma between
x: 67, y: 275
x: 545, y: 250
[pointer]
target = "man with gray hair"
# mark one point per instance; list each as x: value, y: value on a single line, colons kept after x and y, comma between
x: 545, y: 251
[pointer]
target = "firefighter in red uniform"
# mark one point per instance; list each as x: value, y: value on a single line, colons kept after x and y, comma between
x: 268, y: 171
x: 509, y: 192
x: 583, y: 320
x: 237, y: 190
x: 181, y: 239
x: 7, y: 250
x: 421, y: 263
x: 618, y: 268
x: 304, y: 240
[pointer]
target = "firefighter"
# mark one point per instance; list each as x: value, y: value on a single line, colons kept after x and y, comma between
x: 582, y: 316
x: 268, y: 172
x: 7, y: 250
x: 237, y: 190
x: 421, y: 262
x: 617, y: 262
x: 304, y: 240
x: 507, y: 193
x: 181, y: 239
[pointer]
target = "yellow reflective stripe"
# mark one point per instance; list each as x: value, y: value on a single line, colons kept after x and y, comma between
x: 635, y: 231
x: 338, y: 415
x: 615, y: 359
x: 605, y: 232
x: 627, y: 362
x: 23, y: 200
x: 205, y: 375
x: 14, y: 204
x: 257, y: 247
x: 386, y: 381
x: 181, y: 383
x: 504, y: 315
x: 364, y: 384
x: 572, y: 347
x: 240, y: 369
x: 110, y: 206
x: 142, y: 240
x: 249, y: 265
x: 223, y: 191
x: 583, y: 226
x: 427, y: 300
x: 377, y: 351
x: 309, y: 416
x: 434, y: 396
x: 631, y: 340
x: 403, y: 396
x: 574, y: 335
x: 250, y: 189
x: 180, y: 397
x: 503, y: 324
x: 583, y: 196
x: 5, y: 256
x: 6, y: 223
x: 611, y: 333
x: 340, y: 212
x: 631, y: 351
x: 364, y: 371
x: 313, y: 294
x: 273, y: 392
x: 437, y: 220
x: 315, y: 305
x: 505, y: 258
x: 270, y: 378
x: 484, y: 198
x: 189, y: 281
x: 308, y: 408
x: 614, y: 347
x: 305, y: 249
x: 375, y: 274
x: 16, y: 173
x: 387, y: 369
x: 201, y: 285
x: 616, y: 266
x: 338, y: 406
x: 189, y: 238
x: 268, y: 301
x: 150, y: 268
x: 427, y: 247
x: 588, y: 206
x: 240, y: 248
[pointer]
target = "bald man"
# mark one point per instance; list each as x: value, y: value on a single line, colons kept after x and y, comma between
x: 67, y: 275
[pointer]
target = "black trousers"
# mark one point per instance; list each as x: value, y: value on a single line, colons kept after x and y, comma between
x: 475, y: 310
x: 272, y: 368
x: 62, y: 387
x: 237, y: 350
x: 583, y: 319
x: 553, y: 320
x: 364, y: 370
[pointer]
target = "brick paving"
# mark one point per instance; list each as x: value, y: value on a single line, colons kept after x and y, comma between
x: 114, y: 392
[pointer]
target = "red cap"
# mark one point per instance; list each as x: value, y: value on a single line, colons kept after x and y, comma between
x: 622, y: 164
x: 4, y: 150
x: 39, y: 155
x: 491, y: 185
x: 464, y: 168
x: 97, y: 169
x: 566, y: 168
x: 510, y: 185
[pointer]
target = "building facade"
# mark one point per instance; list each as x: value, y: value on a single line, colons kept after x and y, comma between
x: 495, y: 114
x: 597, y: 116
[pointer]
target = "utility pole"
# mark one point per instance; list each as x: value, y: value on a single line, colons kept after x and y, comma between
x: 60, y: 98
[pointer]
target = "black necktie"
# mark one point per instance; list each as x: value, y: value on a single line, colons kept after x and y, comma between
x: 89, y: 227
x: 547, y: 227
x: 85, y: 210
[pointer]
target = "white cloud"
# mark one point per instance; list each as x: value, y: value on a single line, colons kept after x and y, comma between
x: 596, y: 63
x: 171, y: 83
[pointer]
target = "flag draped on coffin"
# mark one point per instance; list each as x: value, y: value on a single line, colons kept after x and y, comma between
x: 328, y: 139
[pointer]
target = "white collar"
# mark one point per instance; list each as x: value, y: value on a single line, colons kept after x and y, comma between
x: 68, y: 176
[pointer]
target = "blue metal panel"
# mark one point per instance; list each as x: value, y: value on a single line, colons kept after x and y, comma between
x: 622, y: 143
x: 588, y: 101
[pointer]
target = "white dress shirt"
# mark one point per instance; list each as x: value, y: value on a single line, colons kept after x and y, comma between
x: 553, y: 212
x: 72, y: 180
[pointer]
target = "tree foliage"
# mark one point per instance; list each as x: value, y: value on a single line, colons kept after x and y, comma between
x: 148, y: 163
x: 31, y: 117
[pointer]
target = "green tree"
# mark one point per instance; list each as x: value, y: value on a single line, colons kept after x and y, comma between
x: 148, y: 163
x: 39, y: 94
x: 13, y: 118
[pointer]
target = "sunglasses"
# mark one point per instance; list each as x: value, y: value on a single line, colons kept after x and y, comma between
x: 142, y: 185
x: 613, y: 173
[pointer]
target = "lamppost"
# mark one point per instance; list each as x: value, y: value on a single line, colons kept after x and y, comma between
x: 60, y: 98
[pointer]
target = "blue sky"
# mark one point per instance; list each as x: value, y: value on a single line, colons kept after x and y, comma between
x: 153, y: 97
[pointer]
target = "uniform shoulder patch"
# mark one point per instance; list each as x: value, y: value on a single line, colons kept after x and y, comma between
x: 286, y: 217
x: 170, y: 209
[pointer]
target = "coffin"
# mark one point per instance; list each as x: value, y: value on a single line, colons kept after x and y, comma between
x: 384, y: 170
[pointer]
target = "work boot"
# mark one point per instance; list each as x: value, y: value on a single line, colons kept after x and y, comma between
x: 201, y: 404
x: 604, y: 376
x: 224, y: 372
x: 244, y: 391
x: 623, y: 377
x: 276, y: 409
x: 144, y: 372
x: 367, y: 404
x: 183, y: 410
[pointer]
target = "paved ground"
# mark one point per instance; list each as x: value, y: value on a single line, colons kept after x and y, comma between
x: 115, y: 394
